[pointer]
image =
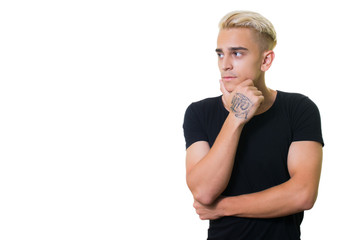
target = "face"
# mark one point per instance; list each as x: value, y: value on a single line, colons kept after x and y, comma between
x: 239, y: 56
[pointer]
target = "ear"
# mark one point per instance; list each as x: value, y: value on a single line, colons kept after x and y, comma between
x: 268, y: 58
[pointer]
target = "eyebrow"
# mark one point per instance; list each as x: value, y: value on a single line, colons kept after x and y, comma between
x: 232, y: 49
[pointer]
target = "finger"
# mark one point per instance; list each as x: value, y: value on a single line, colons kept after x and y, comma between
x: 248, y: 82
x: 223, y: 89
x: 252, y: 88
x: 261, y: 99
x: 196, y: 204
x: 258, y: 93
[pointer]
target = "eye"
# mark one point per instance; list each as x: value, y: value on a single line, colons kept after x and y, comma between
x: 220, y: 55
x: 237, y: 54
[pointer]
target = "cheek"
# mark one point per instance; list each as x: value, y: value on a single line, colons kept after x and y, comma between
x: 247, y: 71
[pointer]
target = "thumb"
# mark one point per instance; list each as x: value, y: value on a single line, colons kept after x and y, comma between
x: 223, y: 89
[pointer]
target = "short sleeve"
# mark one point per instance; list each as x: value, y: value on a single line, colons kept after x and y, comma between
x: 193, y: 126
x: 307, y: 122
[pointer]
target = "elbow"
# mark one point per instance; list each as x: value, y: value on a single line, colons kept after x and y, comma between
x: 201, y: 195
x: 307, y: 205
x: 204, y: 198
x: 308, y: 200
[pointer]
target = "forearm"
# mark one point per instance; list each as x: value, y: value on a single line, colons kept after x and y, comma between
x: 282, y: 200
x: 210, y: 176
x: 210, y: 170
x: 297, y: 194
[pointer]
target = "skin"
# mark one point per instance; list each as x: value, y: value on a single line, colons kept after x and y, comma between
x: 242, y: 66
x: 240, y: 60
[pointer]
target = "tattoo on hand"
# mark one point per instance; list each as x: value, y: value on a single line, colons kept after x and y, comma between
x: 241, y: 105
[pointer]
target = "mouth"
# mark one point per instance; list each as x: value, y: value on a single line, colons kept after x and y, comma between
x: 228, y: 78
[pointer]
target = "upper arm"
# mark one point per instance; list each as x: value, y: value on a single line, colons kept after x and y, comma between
x: 195, y: 153
x: 304, y: 164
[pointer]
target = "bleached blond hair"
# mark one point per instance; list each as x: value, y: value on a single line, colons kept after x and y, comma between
x: 247, y: 19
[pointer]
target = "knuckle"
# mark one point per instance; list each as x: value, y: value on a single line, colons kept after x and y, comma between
x: 249, y: 82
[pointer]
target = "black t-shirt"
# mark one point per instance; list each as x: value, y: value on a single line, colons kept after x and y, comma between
x: 261, y: 158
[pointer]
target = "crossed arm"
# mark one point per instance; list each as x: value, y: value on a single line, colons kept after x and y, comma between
x: 297, y: 194
x: 208, y: 170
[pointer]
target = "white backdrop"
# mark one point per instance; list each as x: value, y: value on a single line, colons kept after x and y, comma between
x: 92, y: 98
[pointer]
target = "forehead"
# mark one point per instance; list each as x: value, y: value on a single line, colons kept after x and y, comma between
x: 236, y: 37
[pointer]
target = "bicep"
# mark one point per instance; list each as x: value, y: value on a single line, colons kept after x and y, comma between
x: 304, y: 163
x: 195, y: 153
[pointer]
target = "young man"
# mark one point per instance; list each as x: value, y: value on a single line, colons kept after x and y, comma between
x: 253, y: 157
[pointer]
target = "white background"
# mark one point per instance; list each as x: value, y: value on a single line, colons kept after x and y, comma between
x: 92, y: 98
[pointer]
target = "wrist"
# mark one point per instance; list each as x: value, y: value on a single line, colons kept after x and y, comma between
x: 239, y: 122
x: 224, y: 206
x: 229, y: 207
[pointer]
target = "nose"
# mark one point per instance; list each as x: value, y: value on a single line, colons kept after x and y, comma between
x: 226, y: 63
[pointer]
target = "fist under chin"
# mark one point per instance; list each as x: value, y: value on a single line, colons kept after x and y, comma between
x: 230, y: 87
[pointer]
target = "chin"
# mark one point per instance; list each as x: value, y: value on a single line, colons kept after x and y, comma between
x: 230, y: 86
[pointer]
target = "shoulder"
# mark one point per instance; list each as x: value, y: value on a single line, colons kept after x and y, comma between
x: 204, y: 105
x: 207, y: 102
x: 197, y: 118
x: 296, y: 101
x: 304, y: 116
x: 291, y: 97
x: 202, y: 111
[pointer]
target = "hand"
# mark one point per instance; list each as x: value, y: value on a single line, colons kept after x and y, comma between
x: 243, y: 101
x: 209, y: 212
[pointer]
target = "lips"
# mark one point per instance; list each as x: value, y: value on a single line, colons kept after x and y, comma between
x: 228, y: 78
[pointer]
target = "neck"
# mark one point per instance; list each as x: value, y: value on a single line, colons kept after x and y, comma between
x: 269, y: 96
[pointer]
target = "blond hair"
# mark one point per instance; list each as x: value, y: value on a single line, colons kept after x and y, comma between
x: 247, y: 19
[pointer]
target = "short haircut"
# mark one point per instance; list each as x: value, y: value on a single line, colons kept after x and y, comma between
x: 247, y: 19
